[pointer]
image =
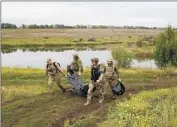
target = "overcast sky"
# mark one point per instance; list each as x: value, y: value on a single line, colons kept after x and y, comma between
x: 94, y: 13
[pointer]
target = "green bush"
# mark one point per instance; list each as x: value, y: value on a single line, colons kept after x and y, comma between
x: 166, y: 48
x: 122, y: 56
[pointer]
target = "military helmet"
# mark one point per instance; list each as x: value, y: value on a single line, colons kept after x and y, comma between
x: 75, y: 56
x: 48, y: 59
x: 95, y: 59
x: 110, y: 60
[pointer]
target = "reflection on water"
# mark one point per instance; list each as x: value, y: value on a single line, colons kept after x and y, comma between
x: 37, y: 58
x: 57, y: 49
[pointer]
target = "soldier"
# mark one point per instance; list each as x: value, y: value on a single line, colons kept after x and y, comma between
x: 97, y: 81
x: 111, y: 74
x: 76, y: 65
x: 53, y: 75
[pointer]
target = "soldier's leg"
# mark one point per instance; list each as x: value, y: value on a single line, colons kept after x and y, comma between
x: 110, y: 83
x: 111, y: 86
x: 51, y: 84
x: 89, y: 94
x: 58, y: 82
x: 101, y: 93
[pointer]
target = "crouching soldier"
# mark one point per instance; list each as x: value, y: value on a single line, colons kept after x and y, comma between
x: 97, y: 81
x: 111, y: 75
x: 53, y: 71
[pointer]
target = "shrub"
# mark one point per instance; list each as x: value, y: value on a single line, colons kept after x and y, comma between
x: 46, y: 37
x: 166, y: 48
x: 123, y: 57
x: 77, y: 40
x: 92, y: 39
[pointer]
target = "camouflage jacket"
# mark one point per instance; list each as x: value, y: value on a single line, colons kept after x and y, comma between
x: 76, y: 66
x: 111, y: 72
x: 52, y: 70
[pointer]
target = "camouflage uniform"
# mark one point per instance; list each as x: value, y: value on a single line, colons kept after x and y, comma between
x: 98, y: 82
x: 111, y: 74
x: 53, y: 76
x: 76, y: 65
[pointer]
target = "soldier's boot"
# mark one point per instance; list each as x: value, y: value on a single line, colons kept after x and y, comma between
x: 101, y: 99
x: 88, y: 101
x: 62, y: 88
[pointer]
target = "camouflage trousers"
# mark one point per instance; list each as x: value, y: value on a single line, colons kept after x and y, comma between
x: 99, y: 88
x: 54, y: 80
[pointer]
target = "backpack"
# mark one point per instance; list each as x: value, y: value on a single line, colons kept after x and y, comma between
x: 54, y: 64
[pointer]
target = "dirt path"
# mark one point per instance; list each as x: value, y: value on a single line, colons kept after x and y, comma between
x: 85, y: 110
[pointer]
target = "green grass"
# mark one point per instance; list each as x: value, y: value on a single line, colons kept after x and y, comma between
x: 60, y: 37
x: 27, y: 103
x: 31, y: 42
x: 25, y: 80
x: 152, y: 108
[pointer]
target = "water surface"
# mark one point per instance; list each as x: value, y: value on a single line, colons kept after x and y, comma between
x: 36, y: 59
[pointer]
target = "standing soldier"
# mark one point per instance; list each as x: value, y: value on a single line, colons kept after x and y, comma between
x: 97, y: 81
x: 111, y: 74
x: 76, y: 65
x: 53, y: 70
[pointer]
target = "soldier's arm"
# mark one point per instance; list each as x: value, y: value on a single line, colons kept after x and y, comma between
x: 102, y: 69
x: 61, y: 70
x: 101, y: 77
x: 46, y: 73
x: 80, y: 67
x: 117, y: 72
x: 116, y: 69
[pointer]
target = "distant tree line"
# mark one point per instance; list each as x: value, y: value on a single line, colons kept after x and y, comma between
x: 61, y: 26
x: 8, y: 25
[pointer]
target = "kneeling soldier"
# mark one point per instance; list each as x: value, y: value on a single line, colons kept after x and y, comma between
x: 97, y: 81
x: 53, y: 70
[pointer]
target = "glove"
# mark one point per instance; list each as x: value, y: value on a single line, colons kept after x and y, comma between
x: 119, y: 79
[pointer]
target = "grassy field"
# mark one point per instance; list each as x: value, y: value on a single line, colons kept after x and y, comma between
x: 147, y: 109
x: 27, y: 103
x: 64, y: 37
